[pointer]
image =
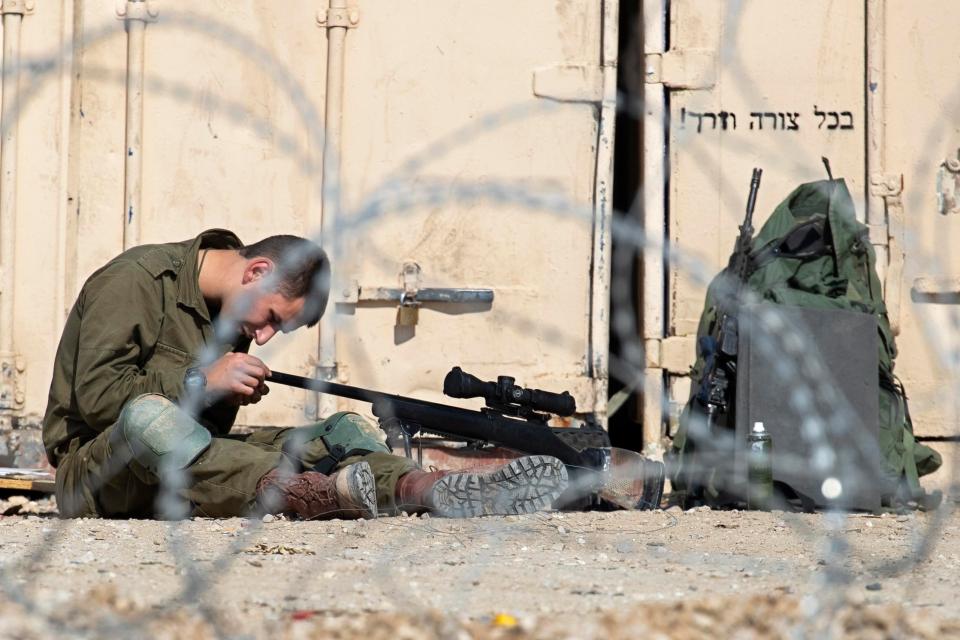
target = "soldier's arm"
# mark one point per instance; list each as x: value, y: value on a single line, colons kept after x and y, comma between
x: 121, y: 318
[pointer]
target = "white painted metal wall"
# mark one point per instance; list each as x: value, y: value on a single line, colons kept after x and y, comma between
x: 778, y: 85
x: 151, y: 121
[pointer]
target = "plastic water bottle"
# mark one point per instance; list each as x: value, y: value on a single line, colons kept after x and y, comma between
x: 759, y: 468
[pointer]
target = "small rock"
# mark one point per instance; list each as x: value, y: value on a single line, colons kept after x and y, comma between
x: 874, y: 586
x: 269, y: 518
x: 561, y: 530
x: 625, y: 547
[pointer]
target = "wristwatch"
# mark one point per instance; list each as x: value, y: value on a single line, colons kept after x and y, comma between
x: 195, y: 380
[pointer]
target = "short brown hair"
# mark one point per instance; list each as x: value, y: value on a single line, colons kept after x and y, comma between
x: 303, y: 271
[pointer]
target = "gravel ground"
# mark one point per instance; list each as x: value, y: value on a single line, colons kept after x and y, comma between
x: 673, y: 573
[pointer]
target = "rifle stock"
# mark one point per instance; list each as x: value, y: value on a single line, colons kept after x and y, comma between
x: 414, y: 416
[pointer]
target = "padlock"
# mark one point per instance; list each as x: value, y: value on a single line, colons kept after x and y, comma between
x: 407, y: 315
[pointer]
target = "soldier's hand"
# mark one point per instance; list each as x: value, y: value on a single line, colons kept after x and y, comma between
x: 261, y: 391
x: 237, y: 378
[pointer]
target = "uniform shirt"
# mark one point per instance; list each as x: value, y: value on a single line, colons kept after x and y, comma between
x: 138, y: 324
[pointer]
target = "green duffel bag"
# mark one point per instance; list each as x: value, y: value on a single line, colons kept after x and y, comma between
x: 812, y: 252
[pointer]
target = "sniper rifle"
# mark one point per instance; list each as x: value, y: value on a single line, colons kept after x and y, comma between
x: 516, y: 418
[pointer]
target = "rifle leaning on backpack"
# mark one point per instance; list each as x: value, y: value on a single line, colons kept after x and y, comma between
x: 719, y: 349
x: 514, y: 417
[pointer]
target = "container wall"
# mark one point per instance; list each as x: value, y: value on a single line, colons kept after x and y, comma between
x: 787, y: 83
x: 449, y: 160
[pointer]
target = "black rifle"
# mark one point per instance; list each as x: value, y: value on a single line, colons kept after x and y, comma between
x: 719, y: 349
x: 514, y: 417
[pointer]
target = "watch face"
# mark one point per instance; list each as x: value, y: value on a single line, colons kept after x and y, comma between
x: 195, y: 380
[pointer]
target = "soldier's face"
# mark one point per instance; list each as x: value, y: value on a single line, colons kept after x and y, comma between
x: 259, y: 310
x: 268, y: 315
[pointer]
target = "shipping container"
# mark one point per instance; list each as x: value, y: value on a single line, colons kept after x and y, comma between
x: 499, y: 159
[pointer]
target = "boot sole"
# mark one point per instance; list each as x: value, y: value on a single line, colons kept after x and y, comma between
x: 362, y: 487
x: 526, y: 485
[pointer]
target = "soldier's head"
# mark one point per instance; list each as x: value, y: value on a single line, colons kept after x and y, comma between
x: 284, y: 285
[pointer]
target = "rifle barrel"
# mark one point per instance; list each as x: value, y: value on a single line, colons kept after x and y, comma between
x: 333, y: 388
x: 754, y: 187
x: 377, y: 398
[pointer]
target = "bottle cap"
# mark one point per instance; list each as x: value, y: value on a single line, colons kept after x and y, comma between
x: 758, y: 427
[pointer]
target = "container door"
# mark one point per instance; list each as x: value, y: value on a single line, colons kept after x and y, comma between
x: 921, y: 160
x: 470, y: 153
x: 770, y: 85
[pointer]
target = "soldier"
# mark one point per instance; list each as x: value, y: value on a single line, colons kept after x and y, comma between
x: 153, y: 366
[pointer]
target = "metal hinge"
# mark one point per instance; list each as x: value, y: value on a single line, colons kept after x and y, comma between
x: 142, y: 10
x: 344, y: 17
x: 887, y: 186
x: 410, y: 296
x: 23, y: 7
x: 681, y: 68
x: 12, y: 394
x: 948, y: 185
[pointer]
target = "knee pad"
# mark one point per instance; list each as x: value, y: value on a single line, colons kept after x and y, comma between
x: 159, y: 434
x: 343, y: 435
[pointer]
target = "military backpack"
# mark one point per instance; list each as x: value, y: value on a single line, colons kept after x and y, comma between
x: 812, y: 252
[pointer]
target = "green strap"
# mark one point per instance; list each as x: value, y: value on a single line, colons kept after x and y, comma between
x: 910, y: 465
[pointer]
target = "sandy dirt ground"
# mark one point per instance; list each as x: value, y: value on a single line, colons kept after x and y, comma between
x: 673, y: 573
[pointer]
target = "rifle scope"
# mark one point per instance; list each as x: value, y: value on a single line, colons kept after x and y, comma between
x: 460, y: 384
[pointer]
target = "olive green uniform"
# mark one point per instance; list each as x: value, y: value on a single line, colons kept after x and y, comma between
x: 138, y: 324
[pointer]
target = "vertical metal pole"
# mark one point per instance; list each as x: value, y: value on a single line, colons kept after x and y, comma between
x: 876, y: 98
x: 11, y: 393
x: 603, y: 214
x: 66, y: 226
x: 8, y: 172
x: 884, y: 201
x: 654, y: 227
x: 136, y: 14
x: 331, y: 187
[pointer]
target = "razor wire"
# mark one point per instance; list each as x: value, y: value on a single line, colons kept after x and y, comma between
x: 399, y: 195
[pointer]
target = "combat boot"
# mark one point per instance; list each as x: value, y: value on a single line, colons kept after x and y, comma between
x: 525, y: 485
x: 349, y: 493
